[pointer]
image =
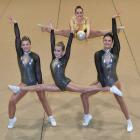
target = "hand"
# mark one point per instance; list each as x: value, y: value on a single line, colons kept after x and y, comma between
x: 105, y: 89
x: 116, y: 16
x: 72, y: 31
x: 46, y: 28
x: 120, y: 28
x: 43, y: 28
x: 50, y: 27
x: 12, y: 20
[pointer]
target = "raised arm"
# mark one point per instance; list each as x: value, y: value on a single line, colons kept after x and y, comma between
x: 68, y: 48
x: 116, y: 45
x: 17, y: 37
x: 52, y: 40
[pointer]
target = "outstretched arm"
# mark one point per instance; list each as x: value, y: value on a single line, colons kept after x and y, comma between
x: 116, y: 45
x: 17, y: 36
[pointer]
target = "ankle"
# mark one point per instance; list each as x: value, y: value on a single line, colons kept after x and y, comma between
x: 128, y: 120
x: 51, y: 116
x: 12, y: 118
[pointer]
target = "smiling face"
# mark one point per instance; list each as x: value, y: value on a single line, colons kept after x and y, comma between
x: 108, y: 42
x: 79, y: 12
x: 26, y: 46
x: 58, y: 52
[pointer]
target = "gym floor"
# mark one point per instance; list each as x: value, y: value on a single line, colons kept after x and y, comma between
x: 108, y: 121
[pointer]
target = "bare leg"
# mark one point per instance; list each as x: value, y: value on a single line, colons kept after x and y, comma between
x: 85, y: 99
x: 122, y: 103
x: 53, y: 88
x: 44, y: 102
x: 124, y: 109
x: 63, y: 32
x: 41, y: 87
x: 88, y: 89
x: 98, y: 33
x: 12, y: 103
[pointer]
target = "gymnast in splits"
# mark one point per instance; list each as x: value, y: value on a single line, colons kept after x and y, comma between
x: 30, y: 69
x: 106, y: 62
x: 79, y: 22
x: 58, y: 64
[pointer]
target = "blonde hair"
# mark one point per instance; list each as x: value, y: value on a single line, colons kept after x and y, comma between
x: 61, y: 44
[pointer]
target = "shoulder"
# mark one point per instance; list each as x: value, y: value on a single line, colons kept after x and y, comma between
x: 86, y: 18
x: 73, y: 19
x: 99, y: 52
x: 35, y: 55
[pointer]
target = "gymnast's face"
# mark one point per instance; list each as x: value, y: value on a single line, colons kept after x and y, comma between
x: 107, y: 41
x: 26, y: 46
x: 79, y: 13
x: 58, y: 52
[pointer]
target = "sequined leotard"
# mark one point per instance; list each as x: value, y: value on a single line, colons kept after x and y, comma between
x: 29, y: 63
x: 106, y: 60
x: 58, y: 65
x: 82, y: 26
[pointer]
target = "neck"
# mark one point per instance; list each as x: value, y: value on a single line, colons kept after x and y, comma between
x: 107, y: 50
x: 27, y: 52
x: 79, y: 20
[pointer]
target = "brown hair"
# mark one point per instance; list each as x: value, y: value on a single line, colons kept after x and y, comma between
x: 110, y: 35
x: 61, y: 44
x: 26, y: 38
x: 78, y: 7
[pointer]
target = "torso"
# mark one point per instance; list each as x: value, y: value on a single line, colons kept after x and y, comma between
x: 27, y: 69
x: 58, y: 72
x: 79, y: 26
x: 109, y: 63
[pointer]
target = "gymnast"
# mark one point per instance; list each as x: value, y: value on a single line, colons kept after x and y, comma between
x: 79, y: 22
x: 29, y: 65
x: 106, y: 62
x: 58, y: 64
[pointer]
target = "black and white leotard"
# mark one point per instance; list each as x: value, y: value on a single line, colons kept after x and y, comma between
x: 106, y: 60
x: 58, y: 65
x: 29, y: 63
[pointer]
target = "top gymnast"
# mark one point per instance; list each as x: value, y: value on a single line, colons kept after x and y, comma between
x: 79, y: 22
x: 58, y: 64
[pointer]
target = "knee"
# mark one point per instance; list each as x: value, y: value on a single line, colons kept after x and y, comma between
x: 41, y: 96
x: 12, y: 101
x: 84, y: 96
